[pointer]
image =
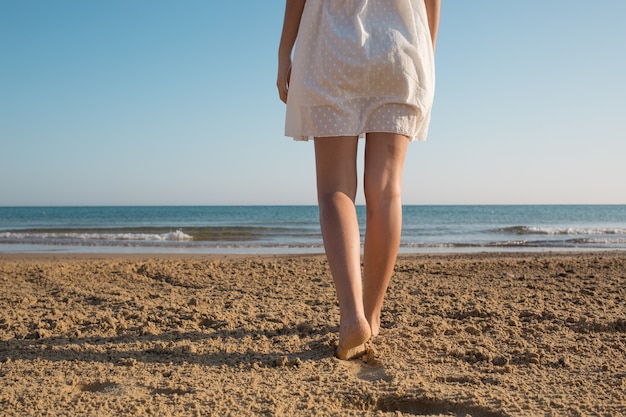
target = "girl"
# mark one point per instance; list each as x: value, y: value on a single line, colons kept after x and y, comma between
x: 361, y: 68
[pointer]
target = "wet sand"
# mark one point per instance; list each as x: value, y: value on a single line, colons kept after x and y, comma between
x: 481, y: 335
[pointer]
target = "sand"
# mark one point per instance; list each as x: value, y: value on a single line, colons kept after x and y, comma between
x: 480, y: 335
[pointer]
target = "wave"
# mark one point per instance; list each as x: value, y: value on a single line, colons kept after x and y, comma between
x: 171, y: 236
x: 555, y: 231
x: 286, y: 238
x: 562, y: 243
x: 210, y: 236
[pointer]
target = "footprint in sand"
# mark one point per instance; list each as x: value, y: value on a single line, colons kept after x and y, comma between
x: 102, y: 387
x: 430, y: 407
x: 368, y: 367
x: 368, y: 372
x: 113, y: 388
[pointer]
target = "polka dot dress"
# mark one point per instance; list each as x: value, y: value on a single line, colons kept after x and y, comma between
x: 361, y: 66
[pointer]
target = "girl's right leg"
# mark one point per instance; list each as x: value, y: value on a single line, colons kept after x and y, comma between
x: 384, y: 162
x: 335, y: 160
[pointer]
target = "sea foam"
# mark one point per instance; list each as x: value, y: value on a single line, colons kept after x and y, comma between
x: 173, y: 236
x: 536, y: 230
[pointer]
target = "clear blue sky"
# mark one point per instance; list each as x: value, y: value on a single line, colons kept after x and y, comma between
x: 174, y: 102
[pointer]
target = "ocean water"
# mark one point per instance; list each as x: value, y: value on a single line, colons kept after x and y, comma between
x: 295, y: 229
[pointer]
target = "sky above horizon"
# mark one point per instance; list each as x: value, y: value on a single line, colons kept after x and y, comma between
x: 152, y: 102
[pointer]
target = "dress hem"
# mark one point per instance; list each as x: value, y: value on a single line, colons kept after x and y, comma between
x: 301, y: 138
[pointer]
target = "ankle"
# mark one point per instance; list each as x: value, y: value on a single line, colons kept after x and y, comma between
x: 374, y: 323
x: 357, y: 325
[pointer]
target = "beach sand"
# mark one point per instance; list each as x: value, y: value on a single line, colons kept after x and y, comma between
x: 481, y: 335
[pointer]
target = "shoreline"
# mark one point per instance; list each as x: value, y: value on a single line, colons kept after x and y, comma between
x: 487, y: 334
x: 80, y: 256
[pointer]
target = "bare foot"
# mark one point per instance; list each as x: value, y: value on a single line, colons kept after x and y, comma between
x: 352, y: 340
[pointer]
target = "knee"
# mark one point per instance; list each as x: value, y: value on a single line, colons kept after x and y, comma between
x: 382, y: 199
x: 333, y: 199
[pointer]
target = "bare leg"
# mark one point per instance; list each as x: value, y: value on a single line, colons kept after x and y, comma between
x: 336, y: 188
x: 384, y: 161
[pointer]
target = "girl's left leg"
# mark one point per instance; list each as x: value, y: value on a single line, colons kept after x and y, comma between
x: 335, y: 160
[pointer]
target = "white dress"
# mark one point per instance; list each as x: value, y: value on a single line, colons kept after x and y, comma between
x: 361, y: 66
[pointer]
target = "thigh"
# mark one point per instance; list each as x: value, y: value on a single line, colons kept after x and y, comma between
x: 384, y: 162
x: 335, y: 163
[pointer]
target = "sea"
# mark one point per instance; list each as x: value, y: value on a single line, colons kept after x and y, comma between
x: 296, y: 230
